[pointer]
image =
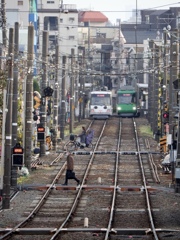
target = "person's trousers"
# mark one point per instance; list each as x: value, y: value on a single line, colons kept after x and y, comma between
x: 70, y: 175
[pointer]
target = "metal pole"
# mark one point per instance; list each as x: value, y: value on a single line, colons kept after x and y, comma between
x: 82, y: 87
x: 63, y: 99
x: 8, y: 124
x: 15, y: 100
x: 165, y: 65
x: 55, y: 105
x: 3, y: 140
x: 43, y: 108
x: 29, y: 99
x: 80, y: 94
x: 71, y: 123
x: 173, y: 76
x: 81, y: 76
x: 76, y: 83
x: 4, y: 33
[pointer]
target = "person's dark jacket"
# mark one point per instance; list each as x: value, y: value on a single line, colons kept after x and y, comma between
x: 70, y: 162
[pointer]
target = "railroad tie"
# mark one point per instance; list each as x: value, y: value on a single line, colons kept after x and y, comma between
x: 36, y: 162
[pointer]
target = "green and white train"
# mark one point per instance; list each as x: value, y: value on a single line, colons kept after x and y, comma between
x: 127, y: 102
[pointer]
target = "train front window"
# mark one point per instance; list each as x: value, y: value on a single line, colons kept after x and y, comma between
x: 126, y: 98
x: 100, y: 100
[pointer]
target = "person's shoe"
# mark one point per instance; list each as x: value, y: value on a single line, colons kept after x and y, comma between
x: 78, y: 183
x: 64, y: 184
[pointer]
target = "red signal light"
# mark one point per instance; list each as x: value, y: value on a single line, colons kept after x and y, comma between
x: 165, y: 115
x: 41, y: 129
x: 40, y: 134
x: 17, y: 150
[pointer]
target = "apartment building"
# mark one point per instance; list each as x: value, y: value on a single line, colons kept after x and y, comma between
x: 60, y: 20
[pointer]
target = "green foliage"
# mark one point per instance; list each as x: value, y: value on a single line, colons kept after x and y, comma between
x: 36, y: 86
x: 3, y: 78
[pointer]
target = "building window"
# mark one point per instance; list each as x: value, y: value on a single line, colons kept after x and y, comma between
x: 71, y: 19
x: 71, y: 37
x: 20, y: 3
x: 147, y: 19
x: 49, y: 2
x: 51, y: 23
x: 61, y: 20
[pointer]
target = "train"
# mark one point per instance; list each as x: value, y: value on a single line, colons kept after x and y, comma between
x: 100, y: 106
x: 127, y: 102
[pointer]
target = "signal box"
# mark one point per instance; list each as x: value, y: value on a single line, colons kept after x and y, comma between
x: 40, y: 134
x: 17, y: 155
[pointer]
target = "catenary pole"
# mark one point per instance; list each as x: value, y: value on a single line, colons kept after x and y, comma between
x: 71, y: 123
x: 81, y: 82
x: 15, y: 99
x: 4, y: 30
x: 43, y: 107
x: 56, y: 98
x: 173, y: 76
x: 63, y: 99
x: 8, y: 124
x: 29, y: 99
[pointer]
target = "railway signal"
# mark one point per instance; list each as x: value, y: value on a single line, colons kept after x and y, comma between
x: 17, y: 155
x: 165, y: 111
x: 166, y: 115
x: 35, y: 116
x: 40, y: 133
x: 48, y: 92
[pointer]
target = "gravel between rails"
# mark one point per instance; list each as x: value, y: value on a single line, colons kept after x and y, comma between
x: 170, y: 200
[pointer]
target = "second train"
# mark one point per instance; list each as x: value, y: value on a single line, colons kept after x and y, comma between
x: 127, y: 103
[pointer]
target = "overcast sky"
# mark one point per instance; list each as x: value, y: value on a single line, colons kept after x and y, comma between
x: 115, y: 9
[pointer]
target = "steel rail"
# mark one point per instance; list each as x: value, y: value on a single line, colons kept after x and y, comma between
x: 80, y: 189
x: 109, y: 227
x: 38, y: 206
x: 42, y: 200
x: 145, y: 185
x: 153, y: 165
x: 57, y: 158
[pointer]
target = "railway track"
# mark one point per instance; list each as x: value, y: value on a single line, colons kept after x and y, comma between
x: 40, y: 215
x: 132, y: 209
x: 113, y: 201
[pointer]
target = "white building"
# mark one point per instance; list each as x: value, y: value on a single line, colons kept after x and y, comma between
x: 58, y: 20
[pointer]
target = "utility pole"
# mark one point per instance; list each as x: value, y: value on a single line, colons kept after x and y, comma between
x: 29, y: 99
x: 56, y: 98
x: 80, y: 92
x: 165, y: 65
x: 15, y: 97
x: 8, y: 124
x: 151, y: 95
x: 4, y: 32
x: 76, y: 86
x: 174, y: 69
x: 63, y: 99
x: 81, y: 81
x: 173, y: 101
x: 71, y: 123
x: 43, y: 108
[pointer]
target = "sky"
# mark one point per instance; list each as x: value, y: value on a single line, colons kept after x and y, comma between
x: 121, y: 9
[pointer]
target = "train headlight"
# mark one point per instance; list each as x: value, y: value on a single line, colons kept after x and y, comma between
x: 119, y: 108
x: 134, y: 108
